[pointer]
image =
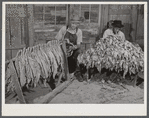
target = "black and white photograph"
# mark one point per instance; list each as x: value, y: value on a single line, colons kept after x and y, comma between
x: 90, y: 54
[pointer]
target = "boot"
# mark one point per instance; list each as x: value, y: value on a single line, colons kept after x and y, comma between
x: 79, y: 76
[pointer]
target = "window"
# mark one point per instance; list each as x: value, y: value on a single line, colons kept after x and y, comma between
x: 86, y: 15
x: 50, y: 14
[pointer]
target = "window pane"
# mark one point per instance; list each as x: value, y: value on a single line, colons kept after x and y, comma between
x: 38, y: 17
x: 85, y: 12
x: 50, y: 19
x: 38, y: 9
x: 61, y: 14
x: 94, y: 13
x: 48, y: 9
x: 49, y: 14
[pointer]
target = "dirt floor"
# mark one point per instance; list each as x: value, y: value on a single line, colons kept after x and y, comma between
x: 93, y: 92
x: 98, y: 93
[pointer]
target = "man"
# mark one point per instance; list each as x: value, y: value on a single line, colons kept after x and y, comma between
x: 115, y: 30
x: 73, y: 35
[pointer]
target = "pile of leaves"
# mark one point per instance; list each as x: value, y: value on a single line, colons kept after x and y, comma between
x: 114, y: 54
x: 31, y: 64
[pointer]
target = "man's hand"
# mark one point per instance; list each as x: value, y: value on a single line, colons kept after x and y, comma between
x: 67, y: 40
x: 73, y: 47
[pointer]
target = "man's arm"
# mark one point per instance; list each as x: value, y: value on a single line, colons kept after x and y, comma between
x: 123, y: 36
x: 105, y: 34
x: 79, y: 38
x: 60, y: 34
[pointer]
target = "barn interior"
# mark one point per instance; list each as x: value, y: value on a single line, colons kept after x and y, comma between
x: 28, y: 25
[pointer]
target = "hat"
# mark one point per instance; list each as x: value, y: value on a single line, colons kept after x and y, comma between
x: 117, y: 23
x: 75, y: 18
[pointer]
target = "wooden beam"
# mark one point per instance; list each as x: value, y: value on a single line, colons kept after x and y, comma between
x: 55, y: 15
x: 99, y: 20
x: 47, y: 98
x: 80, y: 11
x: 134, y: 22
x: 66, y: 69
x: 31, y: 25
x: 26, y: 26
x: 105, y: 19
x: 16, y: 83
x: 10, y: 35
x: 68, y: 14
x: 89, y: 13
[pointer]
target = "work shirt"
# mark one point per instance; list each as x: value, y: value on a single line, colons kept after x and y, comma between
x: 60, y: 35
x: 110, y: 32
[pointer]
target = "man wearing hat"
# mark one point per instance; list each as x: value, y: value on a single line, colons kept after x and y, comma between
x: 73, y: 35
x: 115, y: 30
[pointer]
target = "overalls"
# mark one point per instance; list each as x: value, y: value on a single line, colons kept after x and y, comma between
x: 72, y: 60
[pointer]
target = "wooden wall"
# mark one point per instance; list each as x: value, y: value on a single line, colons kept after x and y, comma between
x: 21, y: 23
x: 131, y: 17
x: 19, y: 33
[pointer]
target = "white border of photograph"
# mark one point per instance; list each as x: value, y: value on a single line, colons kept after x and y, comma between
x: 74, y: 109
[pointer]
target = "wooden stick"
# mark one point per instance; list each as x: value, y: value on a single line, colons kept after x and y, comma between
x: 47, y: 98
x: 18, y: 89
x: 59, y: 79
x: 8, y: 61
x: 135, y: 80
x: 66, y: 69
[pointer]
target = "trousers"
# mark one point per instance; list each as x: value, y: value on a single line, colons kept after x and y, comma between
x: 72, y: 61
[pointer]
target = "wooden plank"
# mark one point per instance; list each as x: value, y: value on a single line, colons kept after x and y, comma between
x: 18, y: 89
x: 66, y: 69
x: 89, y: 13
x: 106, y: 15
x: 99, y: 16
x: 105, y: 19
x: 47, y: 98
x: 26, y: 26
x: 134, y: 22
x: 140, y: 27
x: 55, y: 14
x: 8, y: 55
x: 31, y: 25
x: 15, y: 48
x: 7, y: 32
x: 15, y: 10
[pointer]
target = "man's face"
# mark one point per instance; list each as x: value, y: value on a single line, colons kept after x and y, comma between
x: 116, y: 30
x: 74, y: 24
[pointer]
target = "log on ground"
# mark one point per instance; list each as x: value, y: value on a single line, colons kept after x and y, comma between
x: 47, y: 98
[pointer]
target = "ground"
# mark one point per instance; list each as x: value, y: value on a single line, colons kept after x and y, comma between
x: 98, y: 93
x: 93, y: 92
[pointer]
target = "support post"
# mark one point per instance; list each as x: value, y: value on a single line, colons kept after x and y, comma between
x: 26, y: 27
x: 63, y: 47
x: 18, y: 89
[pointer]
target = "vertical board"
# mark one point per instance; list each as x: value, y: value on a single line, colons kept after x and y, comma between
x: 30, y: 25
x: 7, y: 41
x: 140, y: 23
x: 105, y: 19
x: 94, y: 13
x: 15, y: 32
x: 14, y: 29
x: 8, y: 55
x: 134, y: 19
x: 85, y: 12
x: 61, y: 14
